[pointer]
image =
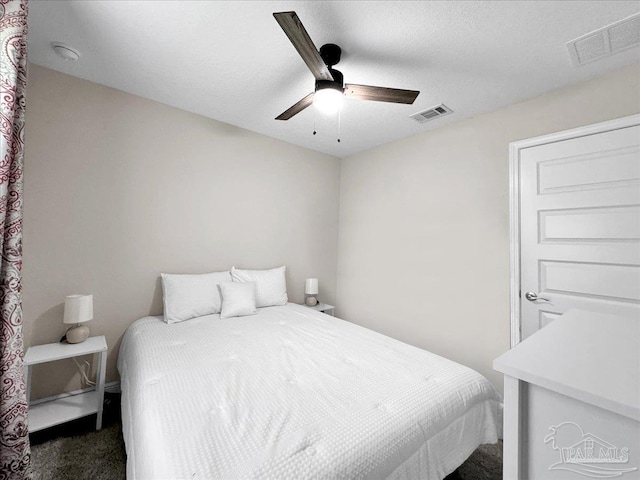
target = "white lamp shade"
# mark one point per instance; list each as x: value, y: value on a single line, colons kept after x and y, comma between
x: 311, y: 286
x: 78, y: 308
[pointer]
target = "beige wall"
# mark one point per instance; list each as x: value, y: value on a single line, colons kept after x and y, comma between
x: 423, y: 252
x: 119, y: 188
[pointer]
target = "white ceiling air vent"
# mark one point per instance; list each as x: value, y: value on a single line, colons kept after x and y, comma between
x: 605, y: 41
x: 431, y: 113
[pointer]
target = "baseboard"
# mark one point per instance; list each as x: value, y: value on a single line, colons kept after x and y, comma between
x: 109, y: 387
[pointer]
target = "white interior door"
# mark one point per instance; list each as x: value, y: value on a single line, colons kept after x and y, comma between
x: 579, y: 218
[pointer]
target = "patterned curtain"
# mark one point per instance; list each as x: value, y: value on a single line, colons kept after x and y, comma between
x: 14, y: 436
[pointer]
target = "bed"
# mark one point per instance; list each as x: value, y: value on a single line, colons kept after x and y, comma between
x: 291, y: 393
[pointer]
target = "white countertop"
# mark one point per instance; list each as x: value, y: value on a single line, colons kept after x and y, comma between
x: 593, y: 357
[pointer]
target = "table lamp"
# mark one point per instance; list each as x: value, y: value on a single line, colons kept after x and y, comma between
x: 78, y: 309
x: 311, y: 291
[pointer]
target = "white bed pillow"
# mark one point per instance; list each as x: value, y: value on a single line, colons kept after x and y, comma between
x: 271, y: 286
x: 189, y: 296
x: 238, y: 299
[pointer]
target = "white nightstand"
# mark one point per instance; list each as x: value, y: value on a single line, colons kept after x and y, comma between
x: 324, y: 308
x: 61, y: 410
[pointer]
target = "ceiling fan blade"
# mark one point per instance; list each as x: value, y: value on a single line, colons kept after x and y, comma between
x: 296, y: 108
x: 298, y: 35
x: 380, y: 94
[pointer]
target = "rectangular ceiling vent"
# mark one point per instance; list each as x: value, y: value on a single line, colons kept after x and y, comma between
x: 605, y: 41
x: 431, y: 113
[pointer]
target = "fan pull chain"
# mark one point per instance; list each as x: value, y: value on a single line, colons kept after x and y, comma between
x: 339, y: 123
x: 314, y: 121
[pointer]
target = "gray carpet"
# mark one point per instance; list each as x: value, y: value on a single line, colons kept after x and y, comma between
x: 89, y: 455
x: 75, y: 451
x: 483, y: 464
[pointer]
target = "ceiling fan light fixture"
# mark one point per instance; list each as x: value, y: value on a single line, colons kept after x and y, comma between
x: 328, y: 100
x: 329, y: 94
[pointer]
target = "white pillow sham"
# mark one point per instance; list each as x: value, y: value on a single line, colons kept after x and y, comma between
x: 188, y: 296
x: 238, y: 299
x: 271, y: 286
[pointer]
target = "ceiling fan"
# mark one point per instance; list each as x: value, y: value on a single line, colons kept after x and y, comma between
x: 330, y: 87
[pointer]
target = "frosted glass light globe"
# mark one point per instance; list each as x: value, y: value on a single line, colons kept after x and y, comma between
x: 328, y: 100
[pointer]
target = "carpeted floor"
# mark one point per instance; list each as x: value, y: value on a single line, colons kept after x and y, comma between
x: 75, y: 451
x: 86, y: 455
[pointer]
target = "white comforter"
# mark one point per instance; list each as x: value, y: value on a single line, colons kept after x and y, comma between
x: 291, y: 393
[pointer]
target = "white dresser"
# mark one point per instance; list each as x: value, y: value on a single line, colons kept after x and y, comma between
x: 572, y: 400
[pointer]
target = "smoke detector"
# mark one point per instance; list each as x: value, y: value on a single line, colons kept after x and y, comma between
x: 65, y: 52
x: 431, y: 113
x: 605, y: 41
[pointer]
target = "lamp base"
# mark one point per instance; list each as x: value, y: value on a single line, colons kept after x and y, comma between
x: 77, y: 334
x: 311, y: 300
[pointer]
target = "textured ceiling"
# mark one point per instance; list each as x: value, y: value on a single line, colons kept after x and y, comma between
x: 230, y: 61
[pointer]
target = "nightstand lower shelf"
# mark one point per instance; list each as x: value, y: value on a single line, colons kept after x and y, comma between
x: 48, y: 414
x: 52, y: 412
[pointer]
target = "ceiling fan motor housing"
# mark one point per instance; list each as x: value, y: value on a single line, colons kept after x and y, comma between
x: 336, y: 84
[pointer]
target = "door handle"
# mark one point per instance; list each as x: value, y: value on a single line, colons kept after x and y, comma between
x: 533, y: 297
